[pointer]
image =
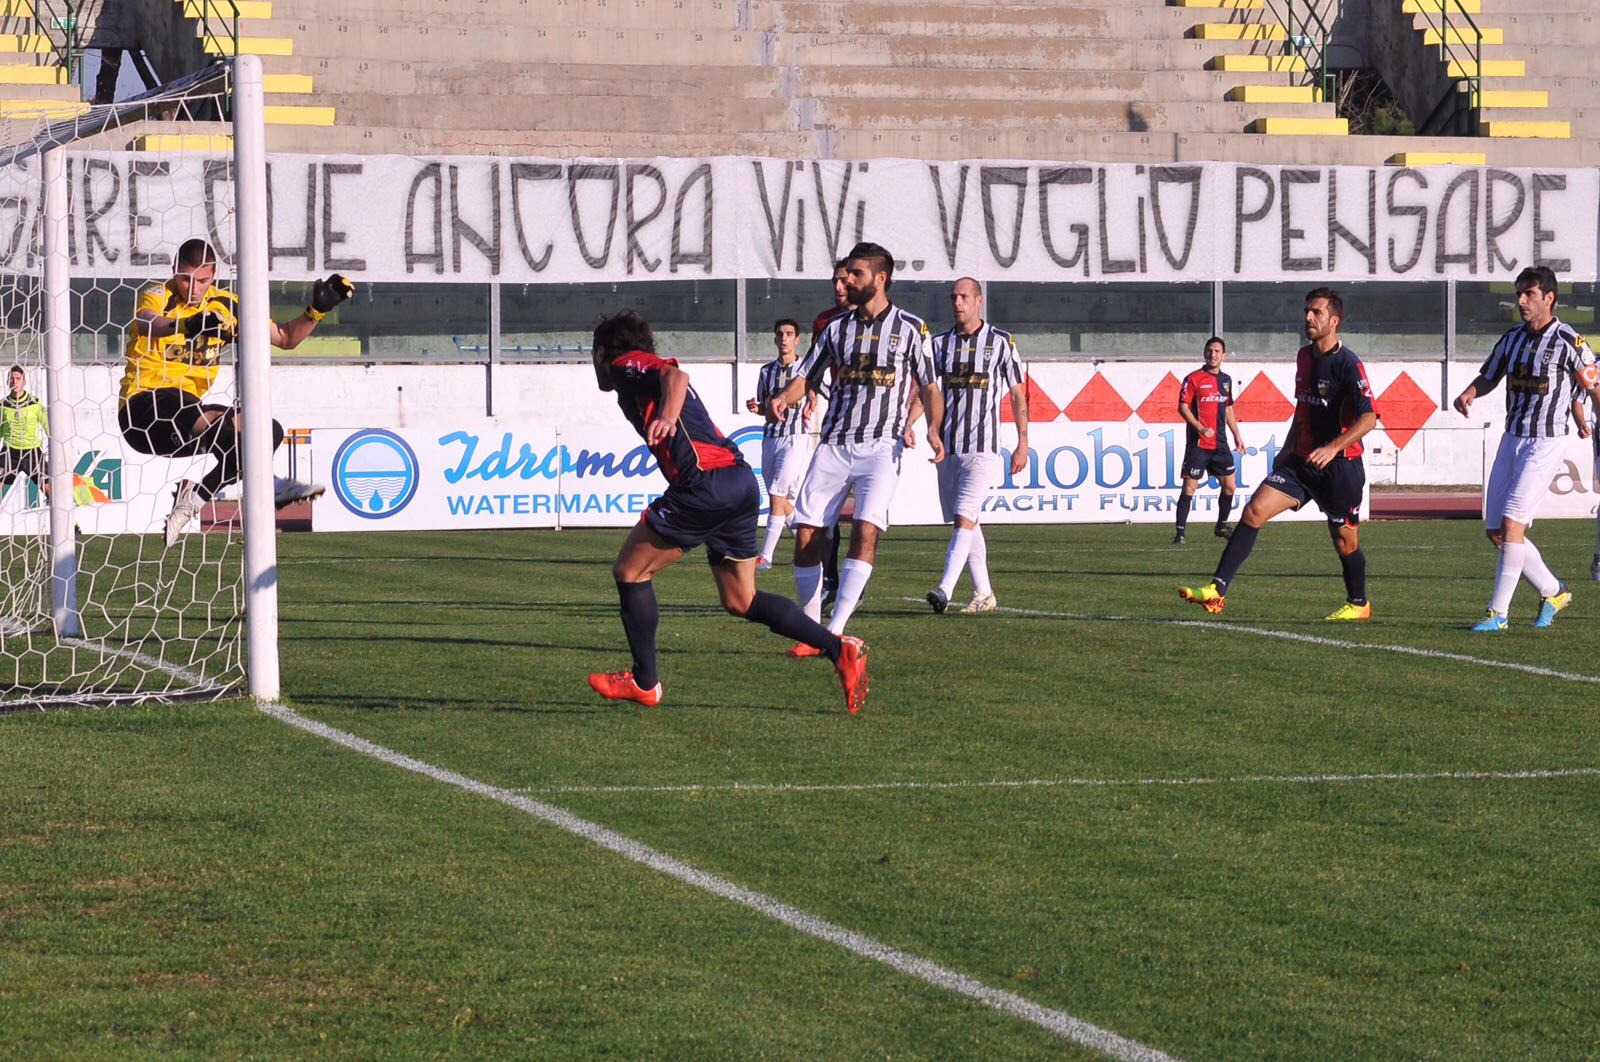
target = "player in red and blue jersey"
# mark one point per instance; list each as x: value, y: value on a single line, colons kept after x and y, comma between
x: 1333, y: 410
x: 1205, y: 402
x: 712, y: 499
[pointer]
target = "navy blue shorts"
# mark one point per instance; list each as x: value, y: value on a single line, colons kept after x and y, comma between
x: 1336, y: 489
x: 1199, y: 463
x: 719, y: 509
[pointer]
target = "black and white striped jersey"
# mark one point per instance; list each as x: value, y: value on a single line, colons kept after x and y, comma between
x: 774, y: 377
x: 1543, y: 371
x: 876, y: 364
x: 976, y: 373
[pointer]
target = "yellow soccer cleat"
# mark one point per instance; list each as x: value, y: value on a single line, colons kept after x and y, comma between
x: 1348, y: 613
x: 1207, y: 597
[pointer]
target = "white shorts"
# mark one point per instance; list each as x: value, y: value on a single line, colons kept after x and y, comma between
x: 872, y: 469
x: 1520, y: 478
x: 783, y: 463
x: 964, y: 481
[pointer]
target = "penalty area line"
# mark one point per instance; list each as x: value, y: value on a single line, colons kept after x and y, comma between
x: 1310, y: 639
x: 1055, y: 1021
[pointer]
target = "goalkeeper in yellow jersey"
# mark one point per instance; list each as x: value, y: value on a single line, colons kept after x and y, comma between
x: 179, y: 331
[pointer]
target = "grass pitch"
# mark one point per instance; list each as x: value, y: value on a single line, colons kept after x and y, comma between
x: 205, y: 880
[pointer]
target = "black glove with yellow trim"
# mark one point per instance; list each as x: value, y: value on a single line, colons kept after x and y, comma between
x: 327, y: 294
x: 207, y: 328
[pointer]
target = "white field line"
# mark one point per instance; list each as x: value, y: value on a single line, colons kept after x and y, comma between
x: 1311, y: 639
x: 1058, y: 1022
x: 1084, y: 783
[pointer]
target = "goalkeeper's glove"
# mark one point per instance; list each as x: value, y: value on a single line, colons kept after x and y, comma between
x: 206, y: 326
x: 328, y: 294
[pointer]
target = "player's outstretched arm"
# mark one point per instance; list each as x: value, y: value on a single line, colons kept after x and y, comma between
x: 326, y: 295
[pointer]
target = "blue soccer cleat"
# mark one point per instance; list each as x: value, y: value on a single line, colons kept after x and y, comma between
x: 1491, y: 622
x: 1549, y: 606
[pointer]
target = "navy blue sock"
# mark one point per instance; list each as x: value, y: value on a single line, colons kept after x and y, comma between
x: 1224, y: 506
x: 1239, y: 547
x: 1184, y: 501
x: 640, y: 614
x: 1355, y: 577
x: 782, y: 615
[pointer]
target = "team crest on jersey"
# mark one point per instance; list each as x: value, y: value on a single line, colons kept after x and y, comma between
x: 894, y: 344
x: 1322, y: 388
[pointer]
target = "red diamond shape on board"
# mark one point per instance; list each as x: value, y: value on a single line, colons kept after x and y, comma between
x: 1162, y: 405
x: 1098, y: 401
x: 1404, y: 408
x: 1040, y: 406
x: 1262, y: 401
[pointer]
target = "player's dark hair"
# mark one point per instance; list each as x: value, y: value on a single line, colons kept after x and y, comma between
x: 622, y: 332
x: 790, y: 321
x: 840, y: 264
x: 1335, y: 302
x: 1541, y: 277
x: 195, y: 252
x: 875, y: 256
x: 1219, y: 341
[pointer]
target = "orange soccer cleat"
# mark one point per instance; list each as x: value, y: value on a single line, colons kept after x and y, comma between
x: 619, y: 686
x: 852, y: 671
x: 801, y: 650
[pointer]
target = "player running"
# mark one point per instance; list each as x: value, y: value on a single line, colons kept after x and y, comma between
x: 1333, y: 410
x: 1205, y: 402
x: 178, y: 332
x: 712, y: 499
x: 1546, y: 365
x: 976, y: 364
x: 880, y: 352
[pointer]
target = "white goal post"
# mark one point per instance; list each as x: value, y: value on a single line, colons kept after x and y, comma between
x: 95, y: 607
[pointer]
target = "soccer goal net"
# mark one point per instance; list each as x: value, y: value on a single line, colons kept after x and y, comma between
x: 102, y: 599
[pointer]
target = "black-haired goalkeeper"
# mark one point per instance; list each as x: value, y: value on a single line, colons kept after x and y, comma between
x: 179, y: 330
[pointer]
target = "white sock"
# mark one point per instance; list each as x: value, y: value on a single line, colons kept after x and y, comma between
x: 1506, y: 576
x: 769, y: 547
x: 978, y: 563
x: 955, y: 558
x: 853, y: 576
x: 1540, y: 577
x: 808, y: 589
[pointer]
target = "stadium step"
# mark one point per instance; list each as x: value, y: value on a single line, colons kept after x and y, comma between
x: 1508, y: 98
x: 13, y: 75
x: 1238, y: 31
x: 562, y: 110
x: 1274, y: 94
x: 1458, y: 68
x: 1252, y: 5
x: 198, y: 142
x: 34, y: 43
x: 244, y: 45
x: 1436, y: 7
x: 1288, y: 64
x: 286, y: 84
x: 1006, y: 85
x: 1438, y: 158
x: 1117, y: 116
x: 1466, y: 37
x: 1135, y: 21
x: 14, y: 109
x: 1276, y: 126
x: 1544, y: 130
x: 297, y: 114
x: 227, y: 9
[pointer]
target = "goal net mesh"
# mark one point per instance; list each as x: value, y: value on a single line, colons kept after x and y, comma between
x: 152, y: 622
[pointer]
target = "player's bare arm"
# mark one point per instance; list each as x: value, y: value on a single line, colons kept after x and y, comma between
x: 933, y: 410
x: 1322, y: 455
x: 1474, y: 390
x: 1193, y: 420
x: 792, y: 393
x: 1019, y: 415
x: 913, y: 411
